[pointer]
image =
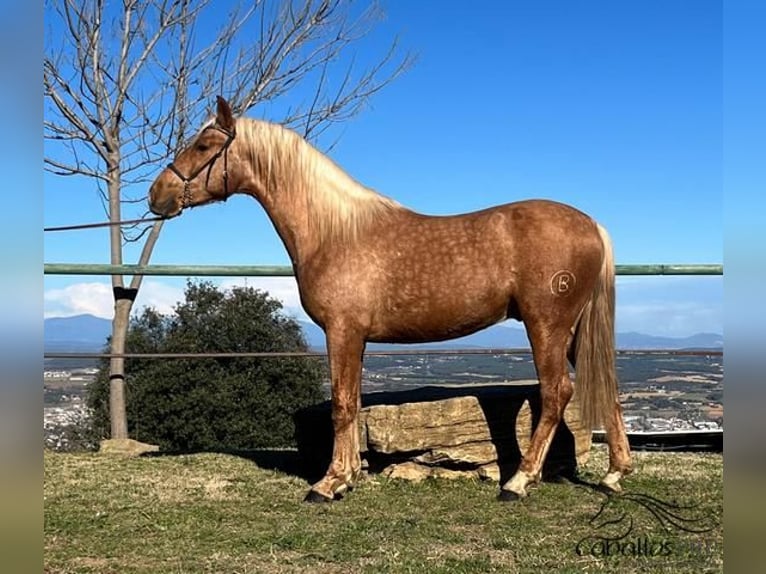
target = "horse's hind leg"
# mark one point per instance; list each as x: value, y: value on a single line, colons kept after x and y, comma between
x: 619, y: 450
x: 549, y: 352
x: 617, y: 440
x: 345, y: 353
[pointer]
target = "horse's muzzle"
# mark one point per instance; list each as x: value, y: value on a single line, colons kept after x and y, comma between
x: 167, y: 206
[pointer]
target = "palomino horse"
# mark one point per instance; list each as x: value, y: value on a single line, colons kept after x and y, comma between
x: 369, y: 269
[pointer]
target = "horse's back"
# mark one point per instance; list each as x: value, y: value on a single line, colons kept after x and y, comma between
x: 529, y: 236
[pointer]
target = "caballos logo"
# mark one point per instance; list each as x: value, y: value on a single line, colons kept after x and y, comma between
x: 617, y: 534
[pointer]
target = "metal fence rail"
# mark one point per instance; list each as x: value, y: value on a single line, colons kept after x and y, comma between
x: 287, y: 271
x: 372, y: 353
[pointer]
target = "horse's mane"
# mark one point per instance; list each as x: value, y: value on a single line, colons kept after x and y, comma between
x: 338, y: 207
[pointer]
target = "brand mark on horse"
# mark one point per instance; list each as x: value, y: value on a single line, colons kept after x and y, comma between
x: 562, y: 282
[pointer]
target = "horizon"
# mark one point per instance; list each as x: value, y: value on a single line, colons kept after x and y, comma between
x: 506, y: 324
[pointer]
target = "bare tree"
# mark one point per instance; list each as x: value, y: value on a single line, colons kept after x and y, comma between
x: 125, y: 84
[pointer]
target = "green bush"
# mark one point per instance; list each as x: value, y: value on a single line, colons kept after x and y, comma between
x: 219, y: 403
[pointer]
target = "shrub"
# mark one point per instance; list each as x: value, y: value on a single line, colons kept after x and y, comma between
x: 218, y: 403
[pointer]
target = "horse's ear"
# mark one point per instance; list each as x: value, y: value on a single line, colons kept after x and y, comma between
x: 224, y: 117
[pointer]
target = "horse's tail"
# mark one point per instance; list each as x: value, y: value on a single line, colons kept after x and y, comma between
x: 595, y: 370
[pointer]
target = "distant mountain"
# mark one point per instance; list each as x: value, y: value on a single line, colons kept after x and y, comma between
x: 88, y: 333
x: 497, y: 336
x: 505, y: 336
x: 80, y: 332
x: 697, y: 341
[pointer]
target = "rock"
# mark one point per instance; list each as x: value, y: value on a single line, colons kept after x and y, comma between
x: 475, y: 454
x: 423, y: 425
x: 407, y: 471
x: 126, y: 447
x: 471, y: 431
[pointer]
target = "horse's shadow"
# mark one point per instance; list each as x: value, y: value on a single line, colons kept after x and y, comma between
x: 286, y: 461
x: 500, y: 405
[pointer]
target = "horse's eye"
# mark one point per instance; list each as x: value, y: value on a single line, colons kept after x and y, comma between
x: 202, y: 147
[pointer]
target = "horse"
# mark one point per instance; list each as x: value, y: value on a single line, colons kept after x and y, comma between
x: 370, y: 270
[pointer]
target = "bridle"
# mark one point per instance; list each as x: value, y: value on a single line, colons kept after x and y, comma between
x: 186, y: 197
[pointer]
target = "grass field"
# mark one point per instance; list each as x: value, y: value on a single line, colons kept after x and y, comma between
x: 243, y: 514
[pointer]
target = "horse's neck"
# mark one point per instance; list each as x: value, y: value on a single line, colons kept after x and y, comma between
x: 290, y: 214
x: 324, y: 207
x: 290, y: 221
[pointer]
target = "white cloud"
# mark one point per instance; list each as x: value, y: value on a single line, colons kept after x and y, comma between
x: 285, y: 289
x: 673, y: 306
x: 80, y: 298
x: 96, y: 299
x: 160, y: 296
x: 670, y: 318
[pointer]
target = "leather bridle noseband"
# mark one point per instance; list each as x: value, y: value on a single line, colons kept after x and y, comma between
x: 186, y: 197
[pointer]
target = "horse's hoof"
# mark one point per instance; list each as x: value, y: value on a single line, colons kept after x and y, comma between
x: 508, y: 496
x: 316, y: 498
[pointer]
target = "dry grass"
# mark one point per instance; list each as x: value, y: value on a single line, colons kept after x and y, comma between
x: 226, y: 513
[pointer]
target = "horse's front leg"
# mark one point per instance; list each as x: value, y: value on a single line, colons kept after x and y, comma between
x: 345, y: 352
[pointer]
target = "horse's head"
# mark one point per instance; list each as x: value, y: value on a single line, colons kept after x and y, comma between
x: 200, y: 173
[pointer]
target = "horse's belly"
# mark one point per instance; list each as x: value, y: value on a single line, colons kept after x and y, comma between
x: 425, y: 333
x: 437, y: 317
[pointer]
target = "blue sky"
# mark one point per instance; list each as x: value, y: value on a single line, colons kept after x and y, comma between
x: 615, y: 108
